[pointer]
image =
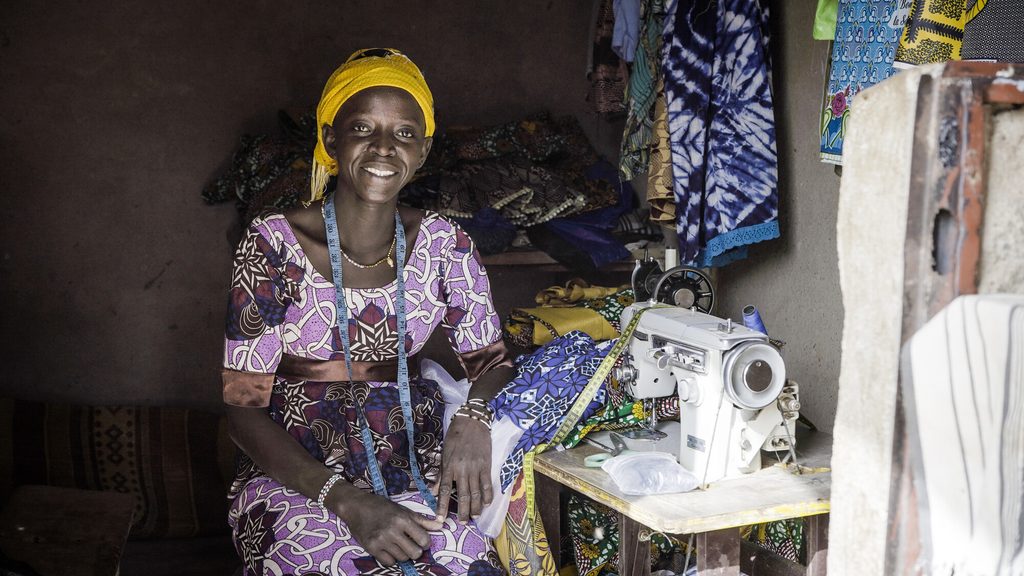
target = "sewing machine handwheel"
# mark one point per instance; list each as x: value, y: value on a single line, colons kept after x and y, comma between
x: 687, y: 288
x: 754, y: 375
x: 645, y: 279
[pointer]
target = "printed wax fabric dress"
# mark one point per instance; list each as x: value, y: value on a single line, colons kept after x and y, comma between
x: 281, y: 327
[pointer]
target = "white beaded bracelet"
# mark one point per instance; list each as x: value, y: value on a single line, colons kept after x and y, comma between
x: 327, y: 488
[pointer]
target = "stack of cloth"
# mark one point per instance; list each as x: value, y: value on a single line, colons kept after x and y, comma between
x: 535, y: 182
x: 268, y: 171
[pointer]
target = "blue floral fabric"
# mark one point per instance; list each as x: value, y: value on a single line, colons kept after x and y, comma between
x: 546, y: 385
x: 721, y: 127
x: 867, y: 34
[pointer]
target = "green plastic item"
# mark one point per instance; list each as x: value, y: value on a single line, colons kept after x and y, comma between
x: 825, y: 20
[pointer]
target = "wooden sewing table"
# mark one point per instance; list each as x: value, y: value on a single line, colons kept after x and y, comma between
x: 713, y: 515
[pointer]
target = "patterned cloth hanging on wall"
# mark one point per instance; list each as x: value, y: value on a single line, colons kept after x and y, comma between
x: 933, y: 33
x: 641, y: 92
x: 994, y: 30
x: 660, y: 194
x: 721, y: 122
x: 825, y: 20
x: 942, y: 30
x: 867, y: 33
x: 606, y: 71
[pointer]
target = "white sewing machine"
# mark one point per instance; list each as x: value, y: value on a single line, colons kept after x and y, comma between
x: 731, y: 382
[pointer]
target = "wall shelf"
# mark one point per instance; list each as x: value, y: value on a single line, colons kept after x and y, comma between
x: 541, y: 260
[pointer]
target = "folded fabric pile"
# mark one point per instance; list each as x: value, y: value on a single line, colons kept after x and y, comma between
x: 536, y: 179
x: 539, y: 176
x: 268, y: 171
x: 579, y: 306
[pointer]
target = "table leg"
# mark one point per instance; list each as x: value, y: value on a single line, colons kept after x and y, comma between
x: 634, y: 553
x: 817, y: 544
x: 718, y: 553
x: 549, y: 505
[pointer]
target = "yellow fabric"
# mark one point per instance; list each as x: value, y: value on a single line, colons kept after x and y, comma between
x: 574, y: 291
x: 359, y: 73
x: 563, y: 320
x: 933, y: 33
x: 660, y: 194
x: 522, y: 546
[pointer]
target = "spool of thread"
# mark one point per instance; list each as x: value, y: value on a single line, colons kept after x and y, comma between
x: 671, y: 258
x: 752, y: 319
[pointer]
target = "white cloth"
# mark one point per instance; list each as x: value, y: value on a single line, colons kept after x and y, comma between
x: 504, y: 435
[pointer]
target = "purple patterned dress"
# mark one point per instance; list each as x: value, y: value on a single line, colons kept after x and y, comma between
x: 282, y: 313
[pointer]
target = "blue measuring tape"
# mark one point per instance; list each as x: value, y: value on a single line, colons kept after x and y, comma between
x: 334, y: 249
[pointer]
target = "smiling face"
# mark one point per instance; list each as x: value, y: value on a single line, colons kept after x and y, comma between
x: 378, y: 141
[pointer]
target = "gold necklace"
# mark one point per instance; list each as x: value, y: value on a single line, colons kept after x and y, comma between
x: 386, y: 258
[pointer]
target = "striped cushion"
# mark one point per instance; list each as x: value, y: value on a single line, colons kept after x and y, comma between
x: 173, y: 460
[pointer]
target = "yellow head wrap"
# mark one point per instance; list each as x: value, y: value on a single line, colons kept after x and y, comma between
x: 364, y: 69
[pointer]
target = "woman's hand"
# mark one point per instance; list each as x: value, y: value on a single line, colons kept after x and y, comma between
x: 466, y: 461
x: 387, y: 531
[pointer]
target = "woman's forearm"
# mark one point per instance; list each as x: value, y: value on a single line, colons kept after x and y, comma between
x: 283, y: 458
x: 491, y: 382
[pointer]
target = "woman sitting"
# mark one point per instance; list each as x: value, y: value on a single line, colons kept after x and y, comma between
x: 342, y: 439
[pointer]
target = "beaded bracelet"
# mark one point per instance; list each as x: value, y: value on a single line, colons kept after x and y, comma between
x: 479, y: 407
x: 484, y: 421
x: 327, y: 488
x: 478, y: 402
x: 476, y: 409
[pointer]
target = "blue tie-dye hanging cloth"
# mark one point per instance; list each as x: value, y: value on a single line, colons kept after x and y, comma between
x: 721, y: 127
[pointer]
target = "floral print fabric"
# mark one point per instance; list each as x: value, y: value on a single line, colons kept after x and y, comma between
x: 867, y: 34
x: 546, y: 385
x: 279, y: 304
x: 594, y: 530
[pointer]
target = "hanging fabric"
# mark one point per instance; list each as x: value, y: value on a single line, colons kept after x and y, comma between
x: 933, y: 32
x: 867, y: 33
x: 721, y: 127
x: 607, y: 72
x: 825, y: 20
x: 626, y: 33
x: 641, y: 92
x: 660, y: 194
x: 994, y: 30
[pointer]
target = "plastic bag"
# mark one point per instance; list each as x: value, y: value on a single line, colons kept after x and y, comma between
x: 646, y: 473
x: 504, y: 435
